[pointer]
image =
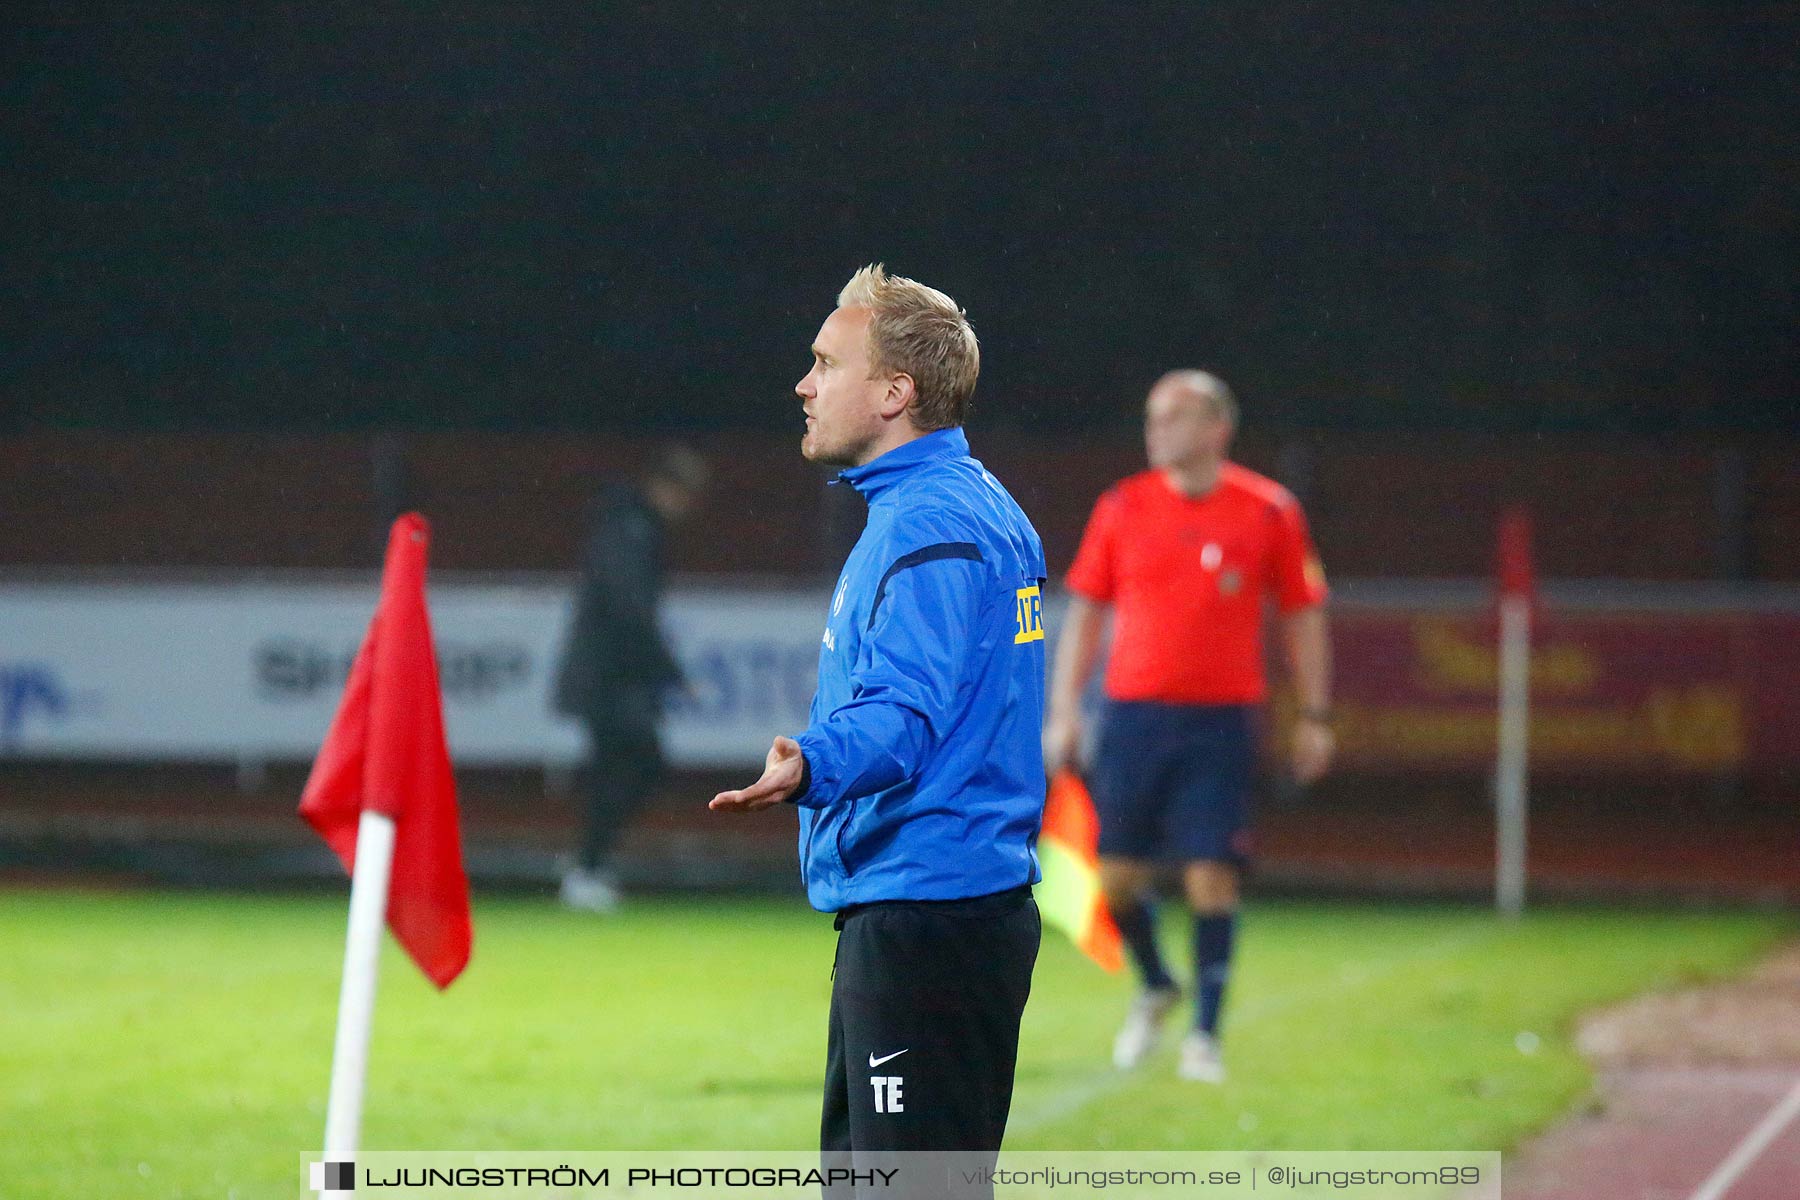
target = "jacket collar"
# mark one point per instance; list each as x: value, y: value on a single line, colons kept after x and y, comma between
x: 877, y: 475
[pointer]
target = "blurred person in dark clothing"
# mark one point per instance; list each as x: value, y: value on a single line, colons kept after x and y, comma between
x: 617, y: 668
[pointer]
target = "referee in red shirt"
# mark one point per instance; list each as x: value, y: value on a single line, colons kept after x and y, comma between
x: 1187, y: 555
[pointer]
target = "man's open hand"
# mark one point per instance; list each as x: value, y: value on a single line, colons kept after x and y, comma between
x: 780, y: 779
x: 1314, y: 744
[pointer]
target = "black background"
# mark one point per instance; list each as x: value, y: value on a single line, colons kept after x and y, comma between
x: 1406, y: 215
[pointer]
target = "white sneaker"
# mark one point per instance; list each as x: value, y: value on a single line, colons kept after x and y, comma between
x: 590, y: 891
x: 1143, y: 1025
x: 1200, y: 1061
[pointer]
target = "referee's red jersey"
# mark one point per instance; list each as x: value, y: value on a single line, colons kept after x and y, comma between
x: 1188, y: 579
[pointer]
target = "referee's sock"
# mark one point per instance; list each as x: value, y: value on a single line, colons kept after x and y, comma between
x: 1137, y: 925
x: 1213, y: 936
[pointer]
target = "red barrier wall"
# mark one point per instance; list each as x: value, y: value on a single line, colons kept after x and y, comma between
x: 1381, y: 507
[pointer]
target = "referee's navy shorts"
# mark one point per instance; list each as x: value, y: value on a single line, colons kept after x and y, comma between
x: 1171, y: 782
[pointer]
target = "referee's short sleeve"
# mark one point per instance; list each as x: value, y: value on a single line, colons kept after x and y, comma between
x: 1299, y: 576
x: 1095, y: 570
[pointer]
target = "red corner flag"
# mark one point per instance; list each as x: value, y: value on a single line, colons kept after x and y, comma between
x: 1513, y: 567
x: 386, y: 753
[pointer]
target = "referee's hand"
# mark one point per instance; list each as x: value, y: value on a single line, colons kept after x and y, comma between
x: 782, y: 772
x: 1062, y: 742
x: 1314, y: 745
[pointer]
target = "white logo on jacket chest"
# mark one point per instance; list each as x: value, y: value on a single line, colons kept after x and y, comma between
x: 837, y: 606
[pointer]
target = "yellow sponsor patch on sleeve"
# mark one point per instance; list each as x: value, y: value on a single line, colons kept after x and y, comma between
x: 1030, y: 615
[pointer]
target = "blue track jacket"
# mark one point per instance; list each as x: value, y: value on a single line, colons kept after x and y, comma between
x: 924, y: 748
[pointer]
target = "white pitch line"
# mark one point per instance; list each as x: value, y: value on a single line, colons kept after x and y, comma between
x: 1106, y: 1080
x: 1751, y: 1148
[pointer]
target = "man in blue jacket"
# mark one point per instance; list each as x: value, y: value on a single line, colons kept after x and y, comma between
x: 920, y: 780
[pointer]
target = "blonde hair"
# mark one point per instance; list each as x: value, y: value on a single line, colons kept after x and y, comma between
x: 918, y: 331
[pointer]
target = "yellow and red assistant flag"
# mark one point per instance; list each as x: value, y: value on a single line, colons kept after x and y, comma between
x: 1068, y: 851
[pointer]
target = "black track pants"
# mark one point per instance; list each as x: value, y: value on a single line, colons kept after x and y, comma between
x: 925, y: 1005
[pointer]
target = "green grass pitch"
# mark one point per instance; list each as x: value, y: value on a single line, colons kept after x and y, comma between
x: 167, y: 1045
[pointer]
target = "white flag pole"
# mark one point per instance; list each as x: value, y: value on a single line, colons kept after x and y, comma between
x: 356, y: 1002
x: 1510, y: 768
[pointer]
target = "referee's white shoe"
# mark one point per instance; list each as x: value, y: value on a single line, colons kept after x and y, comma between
x: 1143, y: 1026
x: 1200, y: 1061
